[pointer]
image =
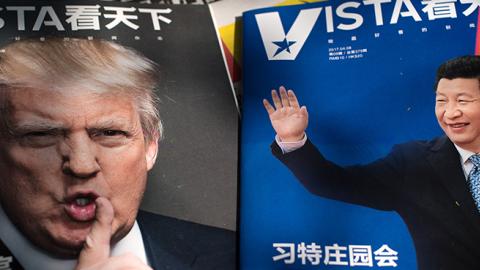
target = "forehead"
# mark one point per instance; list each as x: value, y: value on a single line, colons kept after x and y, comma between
x: 69, y: 107
x: 458, y: 86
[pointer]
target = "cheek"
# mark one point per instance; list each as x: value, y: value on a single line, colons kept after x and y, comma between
x: 32, y: 171
x: 439, y: 115
x: 125, y: 175
x: 473, y: 115
x: 28, y: 187
x: 475, y: 124
x: 33, y: 158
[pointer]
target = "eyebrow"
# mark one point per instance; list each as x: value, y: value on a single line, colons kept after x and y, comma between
x: 465, y: 94
x: 43, y: 126
x: 457, y: 95
x: 118, y: 122
x: 19, y: 130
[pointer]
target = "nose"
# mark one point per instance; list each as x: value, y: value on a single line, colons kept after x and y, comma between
x: 79, y: 157
x: 452, y: 111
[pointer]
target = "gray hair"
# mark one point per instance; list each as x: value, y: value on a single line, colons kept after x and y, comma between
x: 97, y: 65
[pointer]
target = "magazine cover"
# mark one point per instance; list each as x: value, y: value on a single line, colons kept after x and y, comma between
x: 381, y: 178
x: 118, y: 135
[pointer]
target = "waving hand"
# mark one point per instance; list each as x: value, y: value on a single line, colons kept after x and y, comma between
x: 288, y: 119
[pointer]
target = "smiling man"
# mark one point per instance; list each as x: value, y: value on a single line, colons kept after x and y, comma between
x: 433, y: 185
x: 79, y: 132
x: 458, y: 111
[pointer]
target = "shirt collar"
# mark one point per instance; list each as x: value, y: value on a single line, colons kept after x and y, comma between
x: 464, y: 154
x: 31, y: 257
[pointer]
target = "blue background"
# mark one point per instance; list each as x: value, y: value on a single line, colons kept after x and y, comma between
x: 358, y: 109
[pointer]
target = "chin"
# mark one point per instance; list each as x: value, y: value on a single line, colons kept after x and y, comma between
x: 62, y: 248
x: 66, y: 242
x: 66, y: 252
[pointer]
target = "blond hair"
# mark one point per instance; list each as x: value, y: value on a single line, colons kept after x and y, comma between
x: 96, y: 65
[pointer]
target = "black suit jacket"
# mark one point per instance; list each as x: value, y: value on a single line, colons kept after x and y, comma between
x: 422, y: 180
x: 175, y: 244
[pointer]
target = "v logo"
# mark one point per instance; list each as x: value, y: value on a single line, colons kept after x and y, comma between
x: 281, y: 46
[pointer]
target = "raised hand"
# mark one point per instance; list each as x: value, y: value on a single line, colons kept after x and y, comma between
x: 96, y: 252
x: 288, y: 119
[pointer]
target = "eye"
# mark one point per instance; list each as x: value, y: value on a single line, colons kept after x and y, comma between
x: 37, y: 134
x: 38, y: 139
x: 110, y: 137
x: 111, y: 133
x: 440, y: 100
x: 107, y: 133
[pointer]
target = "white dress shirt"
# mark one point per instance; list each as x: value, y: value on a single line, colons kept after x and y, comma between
x: 290, y: 146
x: 467, y: 165
x: 32, y: 258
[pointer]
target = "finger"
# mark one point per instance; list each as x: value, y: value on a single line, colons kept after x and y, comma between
x: 97, y: 243
x: 276, y: 100
x: 293, y: 99
x: 268, y: 107
x: 304, y: 112
x: 284, y: 96
x: 126, y: 261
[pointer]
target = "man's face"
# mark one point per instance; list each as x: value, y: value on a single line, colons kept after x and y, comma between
x: 67, y: 148
x: 457, y: 108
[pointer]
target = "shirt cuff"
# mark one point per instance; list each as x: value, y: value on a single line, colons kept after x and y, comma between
x: 288, y: 147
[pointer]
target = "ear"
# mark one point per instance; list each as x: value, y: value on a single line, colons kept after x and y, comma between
x: 151, y: 151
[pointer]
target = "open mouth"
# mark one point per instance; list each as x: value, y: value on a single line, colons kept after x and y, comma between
x: 83, y: 201
x: 81, y: 206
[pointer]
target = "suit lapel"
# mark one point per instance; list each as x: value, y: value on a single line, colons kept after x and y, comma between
x: 160, y: 258
x: 164, y: 249
x: 445, y: 160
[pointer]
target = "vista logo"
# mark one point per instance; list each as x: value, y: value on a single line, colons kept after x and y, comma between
x: 281, y: 46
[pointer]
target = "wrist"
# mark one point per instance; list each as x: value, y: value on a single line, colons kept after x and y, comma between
x: 293, y: 138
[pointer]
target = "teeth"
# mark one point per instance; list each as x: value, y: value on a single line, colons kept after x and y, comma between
x: 82, y: 201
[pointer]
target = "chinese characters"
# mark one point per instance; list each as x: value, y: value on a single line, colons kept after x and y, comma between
x: 86, y: 17
x: 335, y: 255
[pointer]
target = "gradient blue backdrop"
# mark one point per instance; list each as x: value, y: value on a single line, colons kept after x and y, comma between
x: 358, y: 110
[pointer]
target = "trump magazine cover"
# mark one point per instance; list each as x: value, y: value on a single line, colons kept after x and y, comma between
x: 118, y: 137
